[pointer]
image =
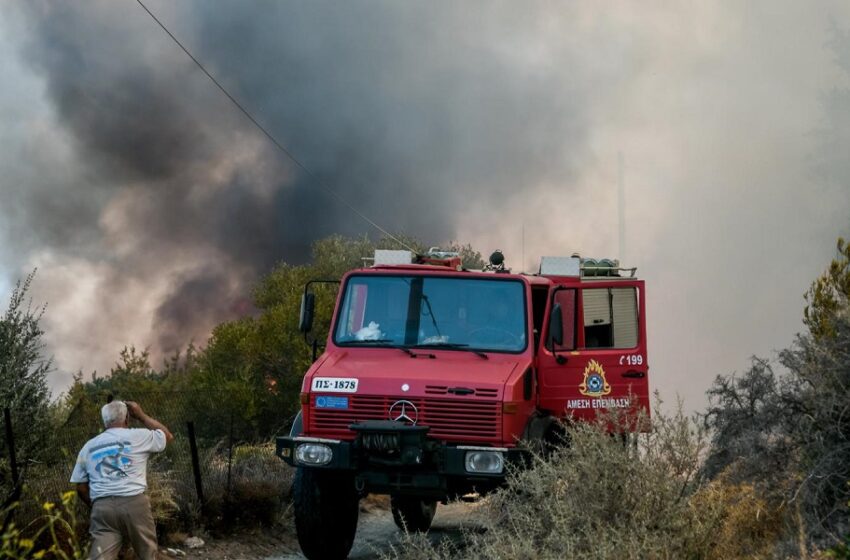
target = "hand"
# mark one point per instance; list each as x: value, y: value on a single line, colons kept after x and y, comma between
x: 134, y: 409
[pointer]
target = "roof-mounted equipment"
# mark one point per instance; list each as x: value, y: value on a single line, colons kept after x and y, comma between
x: 603, y: 268
x: 497, y: 262
x: 391, y: 257
x: 560, y: 266
x: 437, y: 257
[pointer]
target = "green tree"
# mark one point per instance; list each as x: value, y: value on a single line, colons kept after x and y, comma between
x: 829, y: 294
x: 23, y: 371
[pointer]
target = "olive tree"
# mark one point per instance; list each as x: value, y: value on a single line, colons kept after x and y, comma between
x: 23, y: 371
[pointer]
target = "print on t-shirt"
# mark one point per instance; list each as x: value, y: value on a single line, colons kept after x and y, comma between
x: 112, y: 459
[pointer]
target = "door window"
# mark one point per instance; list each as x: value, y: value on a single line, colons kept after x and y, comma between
x: 610, y: 317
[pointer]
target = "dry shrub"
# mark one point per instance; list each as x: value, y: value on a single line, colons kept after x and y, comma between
x: 600, y: 498
x: 260, y: 484
x: 165, y: 509
x: 746, y: 524
x: 258, y: 492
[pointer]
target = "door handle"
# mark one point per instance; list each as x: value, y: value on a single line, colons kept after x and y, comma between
x: 635, y: 374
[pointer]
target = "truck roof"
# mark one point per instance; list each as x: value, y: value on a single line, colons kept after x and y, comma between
x: 531, y: 278
x: 573, y: 269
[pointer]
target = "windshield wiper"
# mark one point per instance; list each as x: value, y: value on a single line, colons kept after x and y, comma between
x: 453, y: 346
x: 387, y: 342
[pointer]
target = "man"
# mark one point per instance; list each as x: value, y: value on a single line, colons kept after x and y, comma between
x: 111, y: 477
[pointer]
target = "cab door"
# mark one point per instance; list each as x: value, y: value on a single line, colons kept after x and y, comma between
x: 593, y: 359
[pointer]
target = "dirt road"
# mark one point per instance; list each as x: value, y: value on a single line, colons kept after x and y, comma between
x: 376, y: 532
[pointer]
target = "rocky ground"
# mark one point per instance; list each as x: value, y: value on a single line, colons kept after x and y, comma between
x: 376, y: 533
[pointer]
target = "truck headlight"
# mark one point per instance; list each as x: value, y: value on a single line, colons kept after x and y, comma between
x: 313, y: 454
x: 490, y: 462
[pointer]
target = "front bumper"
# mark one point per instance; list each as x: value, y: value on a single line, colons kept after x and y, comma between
x: 393, y: 458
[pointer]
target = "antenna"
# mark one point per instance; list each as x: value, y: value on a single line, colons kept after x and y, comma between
x: 621, y: 207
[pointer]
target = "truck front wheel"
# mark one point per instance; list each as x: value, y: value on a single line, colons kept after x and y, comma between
x: 413, y: 514
x: 326, y: 510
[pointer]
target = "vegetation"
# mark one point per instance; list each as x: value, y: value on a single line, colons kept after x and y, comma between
x: 788, y: 432
x: 53, y: 535
x: 598, y: 498
x: 762, y: 473
x: 829, y: 295
x: 23, y: 370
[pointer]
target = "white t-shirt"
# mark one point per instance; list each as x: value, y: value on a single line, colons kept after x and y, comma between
x: 115, y: 463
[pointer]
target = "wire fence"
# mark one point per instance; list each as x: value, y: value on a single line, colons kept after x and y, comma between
x: 220, y: 469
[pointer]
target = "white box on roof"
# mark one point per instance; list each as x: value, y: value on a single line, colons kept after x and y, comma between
x: 560, y: 266
x: 387, y: 256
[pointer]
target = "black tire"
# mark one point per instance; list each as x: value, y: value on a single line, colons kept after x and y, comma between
x: 413, y: 514
x: 326, y: 509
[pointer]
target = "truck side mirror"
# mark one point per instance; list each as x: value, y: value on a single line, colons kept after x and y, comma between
x: 556, y: 328
x: 308, y: 304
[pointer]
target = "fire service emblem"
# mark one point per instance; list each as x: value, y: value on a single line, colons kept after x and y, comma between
x: 594, y: 384
x: 404, y: 411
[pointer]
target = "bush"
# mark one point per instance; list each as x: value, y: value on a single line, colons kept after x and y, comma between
x: 746, y: 524
x: 55, y: 534
x: 602, y: 499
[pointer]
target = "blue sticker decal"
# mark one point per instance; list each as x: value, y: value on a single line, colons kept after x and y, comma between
x: 331, y: 402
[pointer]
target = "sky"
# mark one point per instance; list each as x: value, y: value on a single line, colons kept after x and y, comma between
x: 150, y: 206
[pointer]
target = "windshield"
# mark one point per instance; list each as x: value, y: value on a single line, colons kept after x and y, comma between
x: 413, y: 311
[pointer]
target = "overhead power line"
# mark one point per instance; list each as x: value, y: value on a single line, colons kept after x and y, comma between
x: 330, y: 192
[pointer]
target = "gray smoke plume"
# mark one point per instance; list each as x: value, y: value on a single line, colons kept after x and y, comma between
x: 417, y: 114
x: 150, y: 204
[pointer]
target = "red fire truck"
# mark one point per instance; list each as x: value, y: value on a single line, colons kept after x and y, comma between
x: 435, y: 378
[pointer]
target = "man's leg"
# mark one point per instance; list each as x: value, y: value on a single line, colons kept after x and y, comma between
x: 140, y: 526
x: 105, y: 530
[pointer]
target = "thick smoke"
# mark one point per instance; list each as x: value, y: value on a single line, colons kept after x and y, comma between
x: 150, y: 204
x: 415, y: 113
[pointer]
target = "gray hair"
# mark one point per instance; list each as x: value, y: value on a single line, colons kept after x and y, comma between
x: 114, y: 414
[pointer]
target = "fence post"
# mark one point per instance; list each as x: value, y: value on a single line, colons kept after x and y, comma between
x: 227, y: 512
x: 196, y: 465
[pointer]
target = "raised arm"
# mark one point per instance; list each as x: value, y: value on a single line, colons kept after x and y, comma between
x: 150, y: 423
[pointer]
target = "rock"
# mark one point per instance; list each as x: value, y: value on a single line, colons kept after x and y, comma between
x: 193, y: 542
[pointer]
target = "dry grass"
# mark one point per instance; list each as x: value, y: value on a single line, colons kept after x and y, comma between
x: 259, y: 490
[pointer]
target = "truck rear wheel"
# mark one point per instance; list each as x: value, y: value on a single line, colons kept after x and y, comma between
x: 412, y: 513
x: 326, y: 510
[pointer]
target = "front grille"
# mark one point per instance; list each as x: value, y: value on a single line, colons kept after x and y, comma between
x: 460, y: 420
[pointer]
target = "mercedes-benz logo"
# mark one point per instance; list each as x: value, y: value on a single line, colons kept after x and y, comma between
x: 401, y: 411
